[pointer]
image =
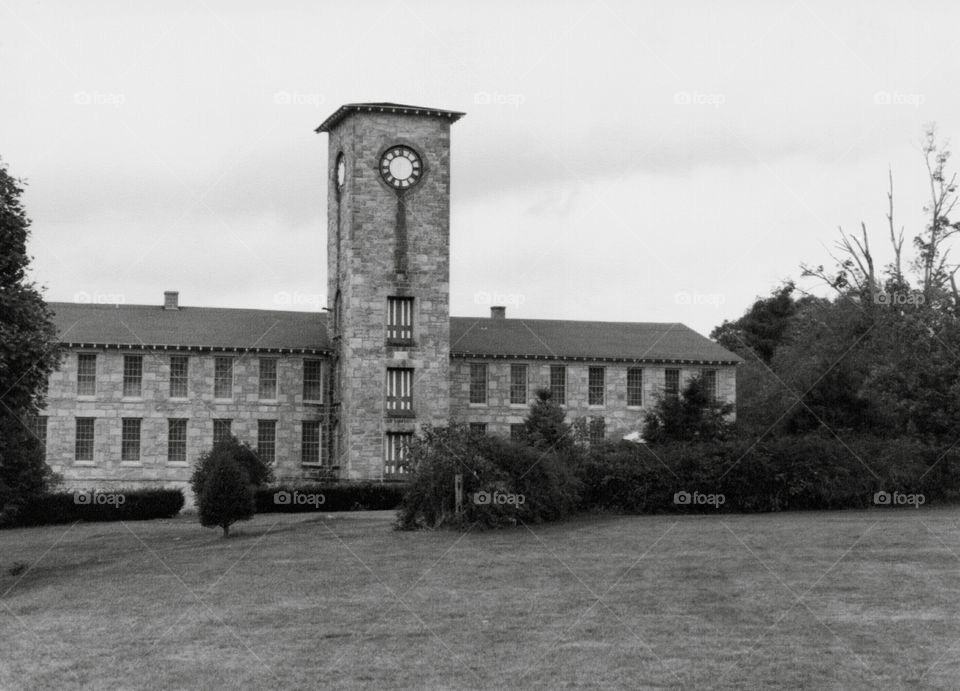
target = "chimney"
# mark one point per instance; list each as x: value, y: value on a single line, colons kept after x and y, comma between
x: 171, y: 300
x: 498, y: 312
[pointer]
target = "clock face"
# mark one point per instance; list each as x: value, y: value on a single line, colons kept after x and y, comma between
x: 341, y: 170
x: 401, y: 167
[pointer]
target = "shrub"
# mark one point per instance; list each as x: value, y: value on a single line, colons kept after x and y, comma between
x: 227, y: 494
x: 783, y: 473
x: 504, y: 483
x: 347, y: 496
x: 692, y: 416
x: 258, y: 472
x: 67, y: 507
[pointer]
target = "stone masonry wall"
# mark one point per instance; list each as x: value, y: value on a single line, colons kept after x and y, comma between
x: 498, y: 413
x: 155, y: 406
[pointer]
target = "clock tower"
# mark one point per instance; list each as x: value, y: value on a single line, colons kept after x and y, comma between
x: 388, y: 255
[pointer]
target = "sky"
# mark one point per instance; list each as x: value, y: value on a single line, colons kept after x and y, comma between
x: 621, y: 161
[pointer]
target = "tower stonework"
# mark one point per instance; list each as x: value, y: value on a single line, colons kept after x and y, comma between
x: 388, y: 287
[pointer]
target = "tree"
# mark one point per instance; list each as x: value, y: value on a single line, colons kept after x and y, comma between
x: 258, y: 473
x: 545, y: 426
x: 227, y: 495
x: 763, y: 328
x: 29, y: 352
x: 693, y: 416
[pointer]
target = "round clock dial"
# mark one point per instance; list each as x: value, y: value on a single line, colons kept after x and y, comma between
x: 401, y: 167
x: 341, y: 170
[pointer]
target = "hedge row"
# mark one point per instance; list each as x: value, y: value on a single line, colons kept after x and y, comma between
x: 345, y: 496
x: 785, y: 473
x: 120, y: 505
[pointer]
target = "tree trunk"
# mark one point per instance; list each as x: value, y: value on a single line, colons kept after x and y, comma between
x: 226, y: 529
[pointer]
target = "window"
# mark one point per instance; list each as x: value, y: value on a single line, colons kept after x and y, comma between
x: 635, y: 386
x: 310, y: 442
x: 399, y: 390
x: 478, y: 428
x: 38, y: 428
x: 671, y: 386
x: 178, y: 376
x: 221, y: 430
x: 268, y: 379
x: 312, y: 380
x: 558, y: 384
x: 267, y: 440
x: 518, y: 384
x: 598, y: 429
x: 83, y: 448
x: 595, y: 386
x: 478, y: 382
x: 130, y: 439
x: 223, y: 377
x: 86, y: 374
x: 395, y: 451
x: 177, y: 440
x: 132, y: 376
x: 709, y: 377
x: 399, y: 319
x: 517, y: 431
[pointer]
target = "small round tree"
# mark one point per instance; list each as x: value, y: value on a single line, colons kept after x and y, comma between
x: 258, y: 472
x: 546, y: 427
x: 226, y: 496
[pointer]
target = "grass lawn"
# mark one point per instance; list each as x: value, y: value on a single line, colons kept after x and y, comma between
x: 852, y: 599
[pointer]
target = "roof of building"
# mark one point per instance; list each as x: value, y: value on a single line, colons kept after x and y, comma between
x: 218, y: 328
x: 583, y: 340
x: 399, y: 108
x: 214, y: 328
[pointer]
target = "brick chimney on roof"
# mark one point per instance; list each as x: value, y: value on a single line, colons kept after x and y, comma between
x: 498, y: 312
x: 171, y: 300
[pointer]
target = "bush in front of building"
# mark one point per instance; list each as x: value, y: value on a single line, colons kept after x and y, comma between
x: 98, y: 505
x: 344, y: 496
x: 258, y: 472
x: 226, y: 495
x: 811, y: 472
x: 504, y: 483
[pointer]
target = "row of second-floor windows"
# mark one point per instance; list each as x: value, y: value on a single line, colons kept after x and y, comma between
x: 596, y: 384
x: 176, y: 438
x: 179, y: 381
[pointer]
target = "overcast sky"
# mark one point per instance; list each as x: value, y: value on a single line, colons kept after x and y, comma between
x: 619, y: 161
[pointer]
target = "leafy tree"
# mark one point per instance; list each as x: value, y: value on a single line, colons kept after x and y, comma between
x: 693, y: 415
x: 258, y: 472
x: 227, y: 494
x: 763, y: 328
x: 29, y: 352
x: 545, y: 426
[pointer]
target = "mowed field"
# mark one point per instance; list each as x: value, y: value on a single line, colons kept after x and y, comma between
x: 852, y: 599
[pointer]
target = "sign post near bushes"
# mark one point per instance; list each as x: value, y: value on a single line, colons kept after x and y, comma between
x: 458, y: 492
